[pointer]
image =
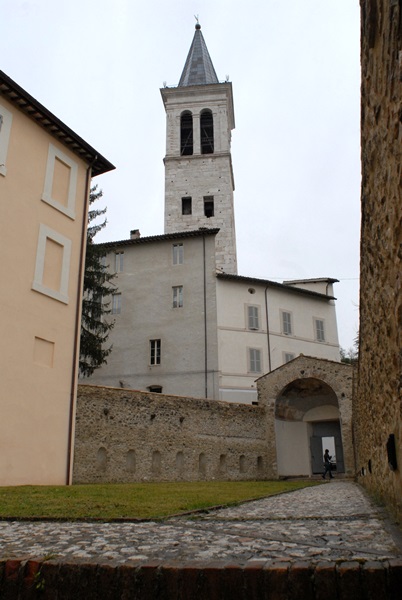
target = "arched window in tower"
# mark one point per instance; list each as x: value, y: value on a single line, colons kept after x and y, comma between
x: 207, y: 132
x: 186, y: 134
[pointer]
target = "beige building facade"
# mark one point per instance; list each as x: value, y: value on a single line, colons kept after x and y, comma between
x: 45, y: 173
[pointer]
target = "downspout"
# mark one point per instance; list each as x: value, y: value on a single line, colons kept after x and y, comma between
x: 205, y: 320
x: 268, y: 339
x: 77, y: 329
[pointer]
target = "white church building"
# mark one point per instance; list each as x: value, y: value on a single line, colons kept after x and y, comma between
x: 185, y: 322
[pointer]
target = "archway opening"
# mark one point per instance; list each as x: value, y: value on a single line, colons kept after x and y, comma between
x: 186, y: 134
x: 306, y: 420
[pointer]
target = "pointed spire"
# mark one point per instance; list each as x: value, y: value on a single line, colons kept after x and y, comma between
x: 198, y: 69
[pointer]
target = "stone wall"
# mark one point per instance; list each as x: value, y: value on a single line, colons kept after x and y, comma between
x: 126, y: 435
x: 378, y: 399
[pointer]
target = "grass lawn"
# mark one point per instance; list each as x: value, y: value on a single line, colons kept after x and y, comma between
x: 132, y: 500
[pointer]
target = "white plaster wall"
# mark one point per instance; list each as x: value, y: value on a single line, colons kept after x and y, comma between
x: 234, y: 337
x: 322, y: 413
x: 292, y: 448
x: 147, y: 313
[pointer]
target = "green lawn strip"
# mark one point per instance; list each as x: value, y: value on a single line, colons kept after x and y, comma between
x: 132, y: 501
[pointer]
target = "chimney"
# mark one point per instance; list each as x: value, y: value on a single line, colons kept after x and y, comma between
x: 135, y: 234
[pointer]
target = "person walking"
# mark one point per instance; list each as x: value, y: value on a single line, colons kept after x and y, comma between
x: 327, y: 465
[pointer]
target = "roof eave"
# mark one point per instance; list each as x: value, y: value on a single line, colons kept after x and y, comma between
x: 160, y: 238
x: 273, y: 284
x: 15, y: 94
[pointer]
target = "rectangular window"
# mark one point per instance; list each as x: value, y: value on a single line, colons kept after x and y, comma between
x: 209, y: 206
x: 155, y: 349
x: 178, y: 254
x: 116, y: 304
x: 319, y: 330
x: 252, y: 317
x: 254, y: 360
x: 186, y: 206
x: 119, y: 260
x: 177, y: 296
x: 288, y: 356
x: 286, y: 323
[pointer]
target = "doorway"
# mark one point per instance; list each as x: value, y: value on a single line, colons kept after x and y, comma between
x: 326, y: 435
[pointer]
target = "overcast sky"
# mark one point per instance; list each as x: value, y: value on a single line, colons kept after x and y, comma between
x: 98, y: 66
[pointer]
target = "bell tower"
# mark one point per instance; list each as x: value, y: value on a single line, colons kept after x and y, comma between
x: 199, y: 180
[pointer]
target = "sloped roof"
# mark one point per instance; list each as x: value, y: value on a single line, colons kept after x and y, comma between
x: 44, y: 118
x: 160, y: 238
x: 274, y: 284
x: 198, y: 69
x: 312, y: 280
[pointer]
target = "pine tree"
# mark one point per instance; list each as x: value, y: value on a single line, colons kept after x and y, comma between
x: 95, y: 328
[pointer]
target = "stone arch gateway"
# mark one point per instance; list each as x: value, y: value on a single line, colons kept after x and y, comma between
x: 308, y: 404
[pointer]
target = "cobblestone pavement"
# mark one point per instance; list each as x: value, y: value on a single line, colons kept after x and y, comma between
x: 328, y: 522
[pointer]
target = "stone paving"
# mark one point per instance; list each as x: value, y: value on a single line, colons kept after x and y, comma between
x: 335, y: 521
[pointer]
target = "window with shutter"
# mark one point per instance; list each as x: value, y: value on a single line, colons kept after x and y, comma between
x: 178, y: 254
x: 286, y: 323
x: 319, y: 330
x: 116, y: 304
x: 119, y: 261
x: 254, y: 360
x: 177, y: 296
x: 253, y: 320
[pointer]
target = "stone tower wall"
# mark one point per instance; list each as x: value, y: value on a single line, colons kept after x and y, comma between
x: 207, y: 175
x: 201, y: 175
x: 378, y: 405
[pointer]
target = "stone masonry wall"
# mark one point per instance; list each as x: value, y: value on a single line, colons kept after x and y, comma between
x: 196, y: 176
x: 378, y: 399
x: 126, y: 435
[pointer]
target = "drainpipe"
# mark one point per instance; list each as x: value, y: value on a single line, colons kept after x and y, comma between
x: 77, y: 327
x: 268, y: 339
x: 205, y: 320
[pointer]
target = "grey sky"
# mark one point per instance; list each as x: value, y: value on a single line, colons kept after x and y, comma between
x: 99, y: 64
